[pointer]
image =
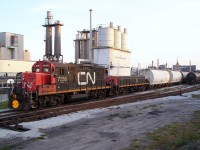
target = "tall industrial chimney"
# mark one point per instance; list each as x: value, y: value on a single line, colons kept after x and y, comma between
x: 48, y: 39
x: 57, y: 41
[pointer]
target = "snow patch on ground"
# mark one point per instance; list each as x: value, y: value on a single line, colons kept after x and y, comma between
x: 37, y: 126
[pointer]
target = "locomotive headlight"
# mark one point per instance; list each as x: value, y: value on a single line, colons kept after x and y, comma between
x: 15, y: 104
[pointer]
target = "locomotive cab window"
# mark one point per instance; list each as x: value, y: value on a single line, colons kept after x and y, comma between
x: 62, y: 71
x: 52, y: 70
x: 33, y: 69
x: 45, y: 69
x: 37, y: 69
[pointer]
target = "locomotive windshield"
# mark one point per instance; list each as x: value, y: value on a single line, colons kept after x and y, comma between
x: 35, y: 69
x: 45, y: 69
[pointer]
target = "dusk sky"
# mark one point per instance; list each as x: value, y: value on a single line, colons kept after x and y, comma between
x: 157, y: 29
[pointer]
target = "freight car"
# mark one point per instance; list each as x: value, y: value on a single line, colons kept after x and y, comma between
x: 184, y: 75
x: 159, y: 78
x: 156, y: 78
x: 53, y: 83
x: 175, y: 77
x: 192, y: 78
x: 124, y: 84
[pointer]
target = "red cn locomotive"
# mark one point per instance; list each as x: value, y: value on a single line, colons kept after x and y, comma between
x: 52, y: 83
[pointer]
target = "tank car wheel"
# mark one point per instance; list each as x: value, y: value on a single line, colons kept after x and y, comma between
x: 141, y: 88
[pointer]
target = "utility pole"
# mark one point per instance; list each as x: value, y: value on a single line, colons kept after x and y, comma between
x: 190, y: 66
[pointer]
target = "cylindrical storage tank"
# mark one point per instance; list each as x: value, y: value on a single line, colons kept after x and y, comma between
x: 94, y: 38
x: 124, y: 40
x: 106, y: 36
x: 117, y: 38
x: 156, y: 77
x: 175, y: 76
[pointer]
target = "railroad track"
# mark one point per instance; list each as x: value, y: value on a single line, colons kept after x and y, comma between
x: 14, y: 118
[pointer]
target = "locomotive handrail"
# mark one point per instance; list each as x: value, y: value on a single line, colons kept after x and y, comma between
x: 6, y: 85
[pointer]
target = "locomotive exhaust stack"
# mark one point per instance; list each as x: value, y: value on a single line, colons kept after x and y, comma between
x: 57, y: 57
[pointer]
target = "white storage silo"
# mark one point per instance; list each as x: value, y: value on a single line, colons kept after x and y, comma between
x: 106, y: 36
x: 124, y: 40
x: 117, y: 38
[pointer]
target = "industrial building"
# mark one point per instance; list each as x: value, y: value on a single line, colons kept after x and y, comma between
x: 12, y: 46
x: 109, y: 49
x: 11, y: 67
x: 186, y: 68
x: 13, y: 57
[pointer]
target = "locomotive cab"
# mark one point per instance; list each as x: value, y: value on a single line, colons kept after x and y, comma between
x: 24, y: 94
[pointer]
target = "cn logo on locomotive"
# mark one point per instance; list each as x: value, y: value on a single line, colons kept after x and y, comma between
x: 87, y: 76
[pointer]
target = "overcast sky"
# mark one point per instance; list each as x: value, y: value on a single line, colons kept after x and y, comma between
x: 157, y: 29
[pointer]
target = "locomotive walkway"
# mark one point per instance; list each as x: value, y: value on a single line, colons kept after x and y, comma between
x: 15, y: 117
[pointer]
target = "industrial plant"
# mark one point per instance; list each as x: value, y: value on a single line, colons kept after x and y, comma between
x: 109, y: 49
x: 57, y: 39
x: 13, y: 55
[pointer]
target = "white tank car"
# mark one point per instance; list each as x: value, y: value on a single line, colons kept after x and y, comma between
x: 175, y: 76
x: 184, y: 75
x: 156, y: 77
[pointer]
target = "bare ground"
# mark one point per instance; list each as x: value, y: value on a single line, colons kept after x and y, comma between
x: 117, y: 127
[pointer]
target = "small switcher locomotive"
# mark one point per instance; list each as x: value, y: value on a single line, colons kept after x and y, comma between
x: 53, y: 83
